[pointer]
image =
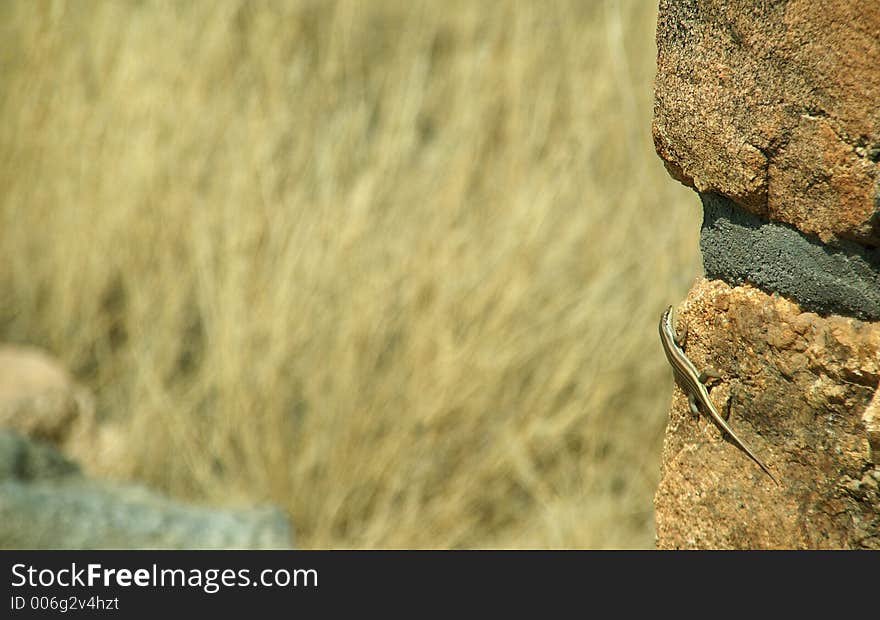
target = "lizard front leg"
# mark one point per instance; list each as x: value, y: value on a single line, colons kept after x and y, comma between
x: 680, y: 339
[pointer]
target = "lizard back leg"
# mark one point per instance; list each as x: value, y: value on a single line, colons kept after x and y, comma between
x: 692, y: 405
x: 727, y: 409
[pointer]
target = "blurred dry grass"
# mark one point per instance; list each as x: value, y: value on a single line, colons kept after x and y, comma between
x: 395, y: 266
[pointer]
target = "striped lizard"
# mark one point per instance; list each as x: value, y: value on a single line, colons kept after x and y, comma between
x: 693, y: 382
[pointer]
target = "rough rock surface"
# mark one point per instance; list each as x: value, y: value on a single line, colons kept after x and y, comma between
x: 799, y: 386
x: 775, y: 105
x: 45, y: 503
x: 871, y: 419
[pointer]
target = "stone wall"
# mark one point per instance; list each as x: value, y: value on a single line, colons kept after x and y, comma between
x: 771, y: 111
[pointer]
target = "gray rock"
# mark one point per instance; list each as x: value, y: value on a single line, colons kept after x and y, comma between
x: 46, y: 504
x: 21, y: 459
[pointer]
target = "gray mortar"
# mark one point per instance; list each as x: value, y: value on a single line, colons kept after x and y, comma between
x: 740, y: 247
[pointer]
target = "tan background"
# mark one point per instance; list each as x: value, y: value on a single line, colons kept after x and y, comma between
x: 394, y: 266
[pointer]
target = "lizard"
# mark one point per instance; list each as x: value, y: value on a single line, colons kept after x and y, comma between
x: 694, y: 383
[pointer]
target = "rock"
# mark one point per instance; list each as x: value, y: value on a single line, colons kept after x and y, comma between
x: 38, y: 398
x: 24, y: 460
x: 775, y: 106
x: 45, y: 503
x: 871, y: 420
x: 799, y: 386
x: 770, y: 111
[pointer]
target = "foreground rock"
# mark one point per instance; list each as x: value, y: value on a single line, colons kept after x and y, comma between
x: 775, y: 106
x: 770, y: 111
x: 45, y: 503
x: 798, y: 386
